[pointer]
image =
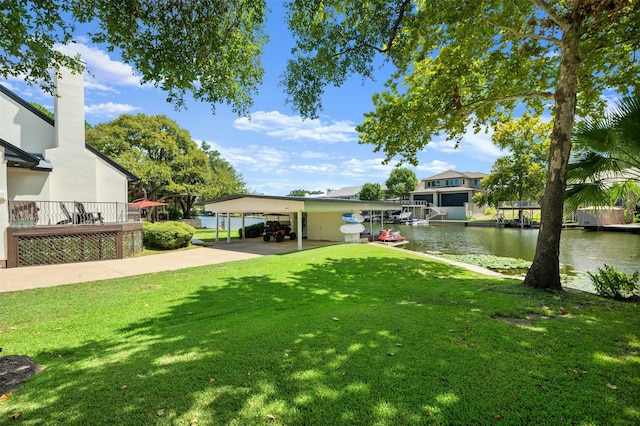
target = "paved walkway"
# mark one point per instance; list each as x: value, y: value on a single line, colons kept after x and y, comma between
x: 14, y: 279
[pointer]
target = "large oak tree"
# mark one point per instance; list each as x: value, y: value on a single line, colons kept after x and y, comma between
x: 470, y: 63
x: 170, y: 165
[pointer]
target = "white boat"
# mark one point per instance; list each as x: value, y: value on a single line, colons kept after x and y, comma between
x: 416, y: 221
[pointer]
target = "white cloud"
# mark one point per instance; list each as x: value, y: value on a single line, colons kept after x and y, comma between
x: 477, y: 144
x: 102, y: 67
x: 443, y: 145
x: 24, y: 90
x: 109, y: 109
x: 480, y: 144
x: 369, y: 167
x: 435, y: 167
x: 91, y: 84
x: 313, y: 155
x: 288, y: 127
x: 317, y: 168
x: 8, y: 85
x: 612, y: 100
x: 258, y: 158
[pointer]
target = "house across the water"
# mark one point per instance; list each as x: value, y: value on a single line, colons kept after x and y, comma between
x: 447, y: 195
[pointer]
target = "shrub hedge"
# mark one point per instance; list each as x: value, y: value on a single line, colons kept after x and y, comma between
x: 167, y: 235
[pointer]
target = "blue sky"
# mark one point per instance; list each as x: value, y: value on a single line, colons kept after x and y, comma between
x: 275, y: 151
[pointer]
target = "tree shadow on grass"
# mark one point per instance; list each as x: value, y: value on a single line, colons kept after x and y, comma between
x: 376, y: 338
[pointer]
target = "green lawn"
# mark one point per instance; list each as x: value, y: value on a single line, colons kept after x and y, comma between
x: 340, y: 335
x: 209, y: 235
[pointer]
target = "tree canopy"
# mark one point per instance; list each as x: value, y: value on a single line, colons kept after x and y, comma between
x: 210, y: 49
x: 226, y: 179
x: 400, y: 183
x: 475, y: 63
x: 520, y: 175
x: 168, y: 162
x: 371, y: 192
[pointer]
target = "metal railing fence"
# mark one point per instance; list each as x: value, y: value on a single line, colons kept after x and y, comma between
x: 29, y: 214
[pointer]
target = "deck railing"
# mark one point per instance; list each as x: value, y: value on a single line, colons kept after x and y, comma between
x: 518, y: 205
x: 29, y: 214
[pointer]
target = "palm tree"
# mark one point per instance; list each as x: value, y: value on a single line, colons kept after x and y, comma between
x: 607, y: 167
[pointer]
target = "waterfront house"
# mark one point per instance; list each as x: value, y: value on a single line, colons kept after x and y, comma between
x: 61, y: 200
x: 447, y: 195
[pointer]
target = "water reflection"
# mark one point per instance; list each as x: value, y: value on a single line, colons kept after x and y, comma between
x: 580, y: 251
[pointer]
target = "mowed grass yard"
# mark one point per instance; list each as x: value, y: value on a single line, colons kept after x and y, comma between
x: 340, y: 335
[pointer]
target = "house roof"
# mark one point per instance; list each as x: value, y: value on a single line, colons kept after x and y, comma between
x: 347, y: 191
x: 130, y: 176
x: 26, y: 105
x: 449, y: 174
x: 22, y: 158
x: 17, y: 157
x: 446, y: 189
x: 245, y: 203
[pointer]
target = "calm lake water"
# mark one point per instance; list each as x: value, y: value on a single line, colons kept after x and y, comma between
x: 580, y: 251
x: 236, y: 222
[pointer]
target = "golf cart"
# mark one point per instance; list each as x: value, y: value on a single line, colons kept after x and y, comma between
x: 277, y: 226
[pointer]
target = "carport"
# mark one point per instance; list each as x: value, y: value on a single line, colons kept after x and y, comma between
x: 322, y: 214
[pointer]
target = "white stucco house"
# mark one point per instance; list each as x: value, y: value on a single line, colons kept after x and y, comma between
x: 53, y: 183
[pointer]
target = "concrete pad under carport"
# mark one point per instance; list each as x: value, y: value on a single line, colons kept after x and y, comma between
x: 323, y: 214
x: 262, y: 248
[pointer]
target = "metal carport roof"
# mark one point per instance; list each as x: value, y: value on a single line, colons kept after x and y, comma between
x: 248, y: 203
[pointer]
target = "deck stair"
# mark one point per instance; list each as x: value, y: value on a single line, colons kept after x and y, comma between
x: 434, y: 211
x: 422, y: 209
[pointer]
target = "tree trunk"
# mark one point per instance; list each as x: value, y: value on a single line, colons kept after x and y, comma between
x: 545, y: 270
x: 186, y: 203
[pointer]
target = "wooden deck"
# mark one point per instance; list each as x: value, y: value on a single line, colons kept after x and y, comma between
x: 47, y: 245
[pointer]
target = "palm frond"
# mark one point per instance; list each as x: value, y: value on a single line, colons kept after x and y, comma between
x: 591, y: 166
x: 628, y: 190
x: 607, y: 163
x: 587, y: 194
x: 594, y: 136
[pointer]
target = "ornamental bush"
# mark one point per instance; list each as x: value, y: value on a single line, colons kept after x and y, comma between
x: 612, y: 283
x: 253, y: 231
x: 167, y: 235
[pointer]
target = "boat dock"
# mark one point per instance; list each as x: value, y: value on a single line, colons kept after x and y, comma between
x: 633, y: 228
x: 393, y: 243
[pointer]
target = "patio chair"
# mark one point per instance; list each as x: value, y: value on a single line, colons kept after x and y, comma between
x: 65, y: 211
x: 87, y: 217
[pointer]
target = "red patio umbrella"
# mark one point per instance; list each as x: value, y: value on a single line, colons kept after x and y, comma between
x: 147, y: 203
